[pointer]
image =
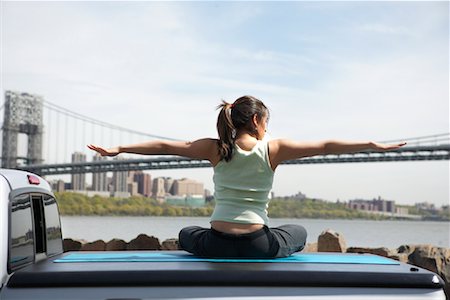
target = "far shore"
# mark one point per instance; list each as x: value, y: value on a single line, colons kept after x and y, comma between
x: 306, y: 218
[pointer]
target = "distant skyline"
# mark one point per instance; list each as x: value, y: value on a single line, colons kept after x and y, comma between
x: 327, y: 70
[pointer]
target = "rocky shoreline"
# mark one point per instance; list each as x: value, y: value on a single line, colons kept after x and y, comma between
x: 435, y: 259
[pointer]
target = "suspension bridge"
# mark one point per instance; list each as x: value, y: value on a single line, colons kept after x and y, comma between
x: 42, y: 137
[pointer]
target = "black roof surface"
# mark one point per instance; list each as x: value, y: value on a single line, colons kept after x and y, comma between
x: 94, y: 274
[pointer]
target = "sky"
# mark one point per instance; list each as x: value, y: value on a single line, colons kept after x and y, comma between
x: 327, y: 70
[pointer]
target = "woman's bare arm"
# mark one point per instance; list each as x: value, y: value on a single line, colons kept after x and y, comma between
x: 283, y: 149
x: 199, y: 149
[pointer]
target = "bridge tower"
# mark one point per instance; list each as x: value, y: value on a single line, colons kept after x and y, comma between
x: 23, y: 114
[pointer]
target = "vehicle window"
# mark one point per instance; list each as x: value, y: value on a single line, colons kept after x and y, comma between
x: 53, y: 226
x: 39, y: 223
x: 21, y: 251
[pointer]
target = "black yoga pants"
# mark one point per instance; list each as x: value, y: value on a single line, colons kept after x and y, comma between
x: 266, y: 242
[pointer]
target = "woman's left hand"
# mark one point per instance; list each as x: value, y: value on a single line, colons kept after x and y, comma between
x: 385, y: 147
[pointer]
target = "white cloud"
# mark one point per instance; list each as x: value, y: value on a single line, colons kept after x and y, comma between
x: 386, y: 29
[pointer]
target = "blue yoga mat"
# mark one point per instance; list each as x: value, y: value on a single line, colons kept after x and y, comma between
x: 184, y: 257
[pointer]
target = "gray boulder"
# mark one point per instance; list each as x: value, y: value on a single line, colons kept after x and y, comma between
x: 116, y: 245
x: 71, y: 245
x: 170, y: 244
x: 98, y: 245
x: 331, y: 241
x: 144, y: 242
x: 435, y: 259
x: 310, y: 247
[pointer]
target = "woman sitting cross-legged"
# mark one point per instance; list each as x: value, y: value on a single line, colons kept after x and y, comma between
x: 244, y: 164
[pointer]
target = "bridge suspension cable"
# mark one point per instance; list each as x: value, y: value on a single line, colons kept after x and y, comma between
x: 87, y: 119
x: 435, y: 139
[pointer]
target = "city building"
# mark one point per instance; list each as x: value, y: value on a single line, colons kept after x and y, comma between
x: 99, y: 180
x: 402, y: 210
x: 133, y: 188
x: 379, y: 205
x: 58, y: 185
x: 187, y: 187
x: 158, y: 189
x: 359, y: 204
x: 120, y: 183
x: 168, y: 185
x: 425, y: 206
x: 78, y: 180
x: 144, y: 182
x: 164, y: 187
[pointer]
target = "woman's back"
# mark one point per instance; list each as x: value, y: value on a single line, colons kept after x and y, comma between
x: 242, y: 186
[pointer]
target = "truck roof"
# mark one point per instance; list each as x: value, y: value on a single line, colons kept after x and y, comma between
x: 24, y: 181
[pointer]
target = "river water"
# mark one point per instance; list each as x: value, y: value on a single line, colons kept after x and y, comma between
x: 361, y: 233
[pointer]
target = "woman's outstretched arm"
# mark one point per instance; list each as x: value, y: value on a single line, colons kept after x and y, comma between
x: 282, y: 149
x: 199, y: 149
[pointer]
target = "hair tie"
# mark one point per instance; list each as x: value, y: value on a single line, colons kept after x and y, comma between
x: 228, y: 115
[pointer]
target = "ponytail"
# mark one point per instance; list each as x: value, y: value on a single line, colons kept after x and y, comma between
x: 237, y: 117
x: 226, y: 131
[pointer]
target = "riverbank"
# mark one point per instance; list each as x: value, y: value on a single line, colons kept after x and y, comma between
x: 435, y: 259
x: 74, y: 204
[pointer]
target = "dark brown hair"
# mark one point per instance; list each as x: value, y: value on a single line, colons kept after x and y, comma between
x: 235, y: 117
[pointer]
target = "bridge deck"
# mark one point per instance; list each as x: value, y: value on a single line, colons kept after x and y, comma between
x: 416, y: 153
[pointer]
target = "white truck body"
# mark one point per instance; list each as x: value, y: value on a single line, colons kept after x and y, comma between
x: 31, y: 244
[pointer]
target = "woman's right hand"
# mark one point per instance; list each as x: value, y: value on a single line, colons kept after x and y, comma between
x: 104, y: 152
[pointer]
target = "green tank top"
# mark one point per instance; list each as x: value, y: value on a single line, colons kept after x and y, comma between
x: 242, y: 186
